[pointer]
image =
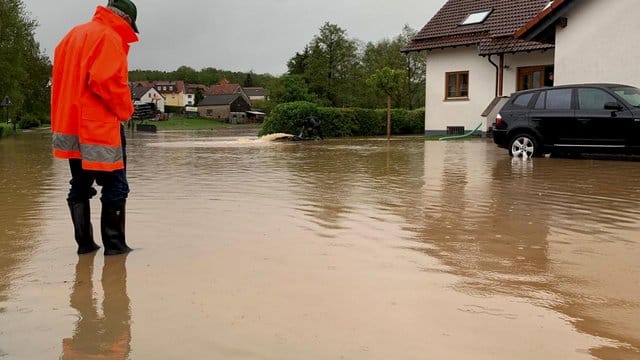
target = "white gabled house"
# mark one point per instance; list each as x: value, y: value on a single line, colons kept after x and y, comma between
x: 147, y: 94
x: 479, y: 50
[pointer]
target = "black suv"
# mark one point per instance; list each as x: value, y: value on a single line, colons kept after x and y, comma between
x: 595, y: 118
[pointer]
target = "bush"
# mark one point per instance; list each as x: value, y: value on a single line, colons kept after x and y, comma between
x: 288, y: 117
x: 5, y: 130
x: 28, y: 122
x: 341, y: 122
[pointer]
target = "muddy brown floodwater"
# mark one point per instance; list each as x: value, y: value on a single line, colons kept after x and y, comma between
x: 340, y: 249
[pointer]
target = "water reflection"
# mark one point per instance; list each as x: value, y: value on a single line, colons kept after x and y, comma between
x: 335, y: 182
x: 560, y: 233
x: 25, y: 166
x: 107, y: 336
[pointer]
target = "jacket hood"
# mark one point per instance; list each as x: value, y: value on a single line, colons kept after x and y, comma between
x: 118, y: 24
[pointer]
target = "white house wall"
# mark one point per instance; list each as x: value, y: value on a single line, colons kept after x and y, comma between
x: 441, y: 113
x: 599, y: 43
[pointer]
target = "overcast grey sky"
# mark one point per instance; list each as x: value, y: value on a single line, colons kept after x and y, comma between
x: 258, y: 35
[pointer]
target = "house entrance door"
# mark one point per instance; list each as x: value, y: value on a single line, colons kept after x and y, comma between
x: 533, y: 77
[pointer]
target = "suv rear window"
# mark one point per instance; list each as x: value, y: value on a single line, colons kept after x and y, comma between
x: 559, y: 99
x: 523, y: 100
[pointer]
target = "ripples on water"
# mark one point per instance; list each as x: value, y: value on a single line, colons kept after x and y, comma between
x: 562, y: 234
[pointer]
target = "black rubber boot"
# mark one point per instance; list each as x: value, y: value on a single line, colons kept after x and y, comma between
x: 112, y: 229
x: 83, y: 231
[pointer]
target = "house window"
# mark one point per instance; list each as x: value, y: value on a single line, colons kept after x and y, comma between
x: 477, y: 17
x: 209, y: 112
x: 533, y: 77
x: 457, y: 86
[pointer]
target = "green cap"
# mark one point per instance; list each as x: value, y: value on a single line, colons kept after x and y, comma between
x: 129, y: 8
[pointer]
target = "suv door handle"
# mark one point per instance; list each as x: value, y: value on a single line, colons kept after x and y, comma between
x: 583, y: 120
x: 536, y: 119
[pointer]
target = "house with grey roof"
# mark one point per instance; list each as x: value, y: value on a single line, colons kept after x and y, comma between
x: 256, y: 93
x: 223, y: 107
x: 480, y: 50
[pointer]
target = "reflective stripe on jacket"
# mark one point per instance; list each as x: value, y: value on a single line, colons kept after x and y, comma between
x: 90, y: 94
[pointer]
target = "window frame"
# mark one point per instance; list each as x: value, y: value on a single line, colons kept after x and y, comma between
x: 459, y: 95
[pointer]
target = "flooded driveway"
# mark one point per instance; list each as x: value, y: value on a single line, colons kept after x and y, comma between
x: 340, y: 249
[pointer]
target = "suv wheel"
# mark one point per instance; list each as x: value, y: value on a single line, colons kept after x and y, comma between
x: 524, y: 146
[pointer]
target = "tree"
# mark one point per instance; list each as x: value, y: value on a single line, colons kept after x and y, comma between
x: 390, y: 82
x: 187, y: 74
x: 24, y: 69
x: 416, y: 69
x: 248, y: 81
x: 298, y: 63
x: 387, y: 53
x: 198, y: 97
x: 291, y: 88
x: 331, y: 64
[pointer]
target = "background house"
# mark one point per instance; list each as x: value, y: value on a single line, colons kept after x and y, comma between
x: 147, y: 94
x: 222, y: 107
x: 194, y: 93
x: 256, y: 93
x: 474, y: 57
x: 226, y: 88
x: 173, y: 92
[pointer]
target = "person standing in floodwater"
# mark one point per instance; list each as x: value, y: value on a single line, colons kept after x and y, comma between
x: 90, y: 101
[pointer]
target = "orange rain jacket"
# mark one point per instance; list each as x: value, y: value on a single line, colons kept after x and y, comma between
x: 90, y: 94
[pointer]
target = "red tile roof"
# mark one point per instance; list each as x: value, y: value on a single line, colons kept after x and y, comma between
x: 537, y: 20
x: 493, y: 36
x: 225, y: 88
x: 509, y: 45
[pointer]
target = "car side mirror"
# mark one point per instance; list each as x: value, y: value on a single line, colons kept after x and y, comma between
x: 613, y: 105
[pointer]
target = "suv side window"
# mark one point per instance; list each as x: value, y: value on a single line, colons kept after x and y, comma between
x: 593, y: 99
x: 523, y: 100
x: 559, y: 99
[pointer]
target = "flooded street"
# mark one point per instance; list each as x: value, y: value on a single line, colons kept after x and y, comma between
x: 340, y: 249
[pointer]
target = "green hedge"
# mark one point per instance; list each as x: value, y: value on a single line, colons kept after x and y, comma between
x: 342, y: 122
x: 5, y: 130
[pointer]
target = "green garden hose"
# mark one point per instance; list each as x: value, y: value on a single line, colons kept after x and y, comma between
x: 462, y: 136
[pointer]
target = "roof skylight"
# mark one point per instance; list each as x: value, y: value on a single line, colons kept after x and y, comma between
x: 477, y: 17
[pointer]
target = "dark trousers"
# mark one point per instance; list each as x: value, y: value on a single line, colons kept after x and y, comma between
x: 115, y: 187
